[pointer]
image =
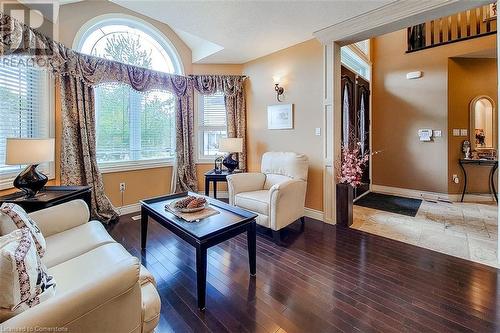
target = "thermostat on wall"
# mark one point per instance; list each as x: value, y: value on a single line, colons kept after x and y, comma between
x: 414, y: 75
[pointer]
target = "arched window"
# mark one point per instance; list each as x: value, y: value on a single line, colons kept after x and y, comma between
x: 132, y: 128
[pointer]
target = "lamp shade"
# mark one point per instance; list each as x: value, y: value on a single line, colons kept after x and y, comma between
x: 231, y: 145
x: 29, y: 151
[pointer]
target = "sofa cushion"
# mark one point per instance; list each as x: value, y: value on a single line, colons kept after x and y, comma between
x: 24, y: 281
x: 88, y: 267
x: 14, y: 217
x: 256, y: 201
x: 74, y: 242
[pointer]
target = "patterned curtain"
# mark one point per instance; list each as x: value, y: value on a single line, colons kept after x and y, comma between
x: 78, y: 158
x: 236, y: 122
x: 185, y: 178
x: 233, y: 88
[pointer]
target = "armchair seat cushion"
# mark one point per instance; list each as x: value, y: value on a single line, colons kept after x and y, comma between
x: 256, y: 201
x: 71, y: 243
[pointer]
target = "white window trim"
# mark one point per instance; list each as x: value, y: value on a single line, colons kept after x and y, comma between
x: 135, y: 165
x: 7, y: 179
x: 200, y: 157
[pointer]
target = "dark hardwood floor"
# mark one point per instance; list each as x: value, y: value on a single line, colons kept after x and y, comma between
x: 325, y: 279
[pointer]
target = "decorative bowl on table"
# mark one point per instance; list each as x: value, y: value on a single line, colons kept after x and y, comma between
x: 189, y: 204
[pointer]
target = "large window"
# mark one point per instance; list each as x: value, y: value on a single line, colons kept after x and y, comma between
x: 211, y: 123
x: 25, y: 109
x: 132, y: 128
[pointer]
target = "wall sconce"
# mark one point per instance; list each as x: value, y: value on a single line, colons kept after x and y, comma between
x: 279, y: 90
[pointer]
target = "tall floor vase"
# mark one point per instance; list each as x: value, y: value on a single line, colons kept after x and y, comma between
x: 345, y: 197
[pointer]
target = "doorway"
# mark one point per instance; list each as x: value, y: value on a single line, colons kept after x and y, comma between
x: 356, y: 120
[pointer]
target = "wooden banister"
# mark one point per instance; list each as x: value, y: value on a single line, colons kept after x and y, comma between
x: 465, y: 25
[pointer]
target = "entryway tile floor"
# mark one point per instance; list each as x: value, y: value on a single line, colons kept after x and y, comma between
x: 465, y: 230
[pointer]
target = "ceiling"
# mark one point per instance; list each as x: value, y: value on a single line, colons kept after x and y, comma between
x: 238, y: 31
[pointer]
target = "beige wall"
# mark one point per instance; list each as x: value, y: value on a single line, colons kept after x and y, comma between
x: 467, y: 79
x: 300, y: 66
x: 400, y: 107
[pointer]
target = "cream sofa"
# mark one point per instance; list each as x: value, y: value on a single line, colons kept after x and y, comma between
x: 100, y: 287
x: 277, y: 194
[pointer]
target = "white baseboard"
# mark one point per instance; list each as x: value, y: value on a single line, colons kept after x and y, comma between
x: 314, y: 214
x: 430, y: 195
x: 129, y: 209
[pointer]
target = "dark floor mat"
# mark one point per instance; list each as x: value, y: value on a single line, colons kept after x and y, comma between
x: 390, y: 203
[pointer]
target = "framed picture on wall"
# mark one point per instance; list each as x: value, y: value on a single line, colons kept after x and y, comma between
x: 280, y: 116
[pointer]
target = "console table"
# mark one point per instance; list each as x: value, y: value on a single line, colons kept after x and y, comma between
x: 49, y: 196
x: 493, y: 164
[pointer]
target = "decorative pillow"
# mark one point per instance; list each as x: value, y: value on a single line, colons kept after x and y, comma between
x: 24, y: 281
x: 13, y: 217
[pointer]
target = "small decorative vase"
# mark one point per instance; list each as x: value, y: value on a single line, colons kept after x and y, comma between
x: 345, y: 197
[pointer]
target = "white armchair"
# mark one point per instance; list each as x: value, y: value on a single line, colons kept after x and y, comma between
x: 277, y: 194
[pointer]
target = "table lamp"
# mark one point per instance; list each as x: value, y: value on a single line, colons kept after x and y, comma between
x: 230, y: 146
x: 31, y: 152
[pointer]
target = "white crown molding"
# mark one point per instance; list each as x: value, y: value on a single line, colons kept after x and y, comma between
x: 394, y: 16
x: 430, y: 195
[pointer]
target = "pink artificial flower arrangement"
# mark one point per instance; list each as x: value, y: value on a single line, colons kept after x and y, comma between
x: 353, y: 161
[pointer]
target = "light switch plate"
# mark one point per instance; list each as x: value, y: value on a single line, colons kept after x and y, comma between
x: 437, y: 133
x: 463, y: 132
x: 317, y: 131
x: 456, y: 132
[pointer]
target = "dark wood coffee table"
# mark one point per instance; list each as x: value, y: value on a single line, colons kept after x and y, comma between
x: 231, y: 221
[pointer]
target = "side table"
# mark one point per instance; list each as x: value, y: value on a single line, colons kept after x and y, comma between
x: 211, y: 176
x: 49, y: 196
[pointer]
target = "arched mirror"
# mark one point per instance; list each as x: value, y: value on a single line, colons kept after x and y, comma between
x: 483, y: 130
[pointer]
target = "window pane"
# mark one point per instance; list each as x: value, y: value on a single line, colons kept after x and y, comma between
x: 24, y: 104
x: 214, y: 110
x: 212, y: 119
x: 133, y: 126
x: 211, y: 141
x: 128, y: 45
x: 354, y: 62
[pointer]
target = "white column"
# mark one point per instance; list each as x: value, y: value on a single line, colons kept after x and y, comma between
x: 332, y: 113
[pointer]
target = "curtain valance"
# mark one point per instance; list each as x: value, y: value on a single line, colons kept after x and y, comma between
x: 229, y: 85
x: 21, y: 40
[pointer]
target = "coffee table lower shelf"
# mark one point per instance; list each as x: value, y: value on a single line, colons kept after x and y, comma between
x: 230, y: 222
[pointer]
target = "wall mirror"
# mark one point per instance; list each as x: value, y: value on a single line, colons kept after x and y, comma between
x: 483, y: 129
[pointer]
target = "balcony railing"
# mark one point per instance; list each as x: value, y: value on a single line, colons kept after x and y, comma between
x: 461, y: 26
